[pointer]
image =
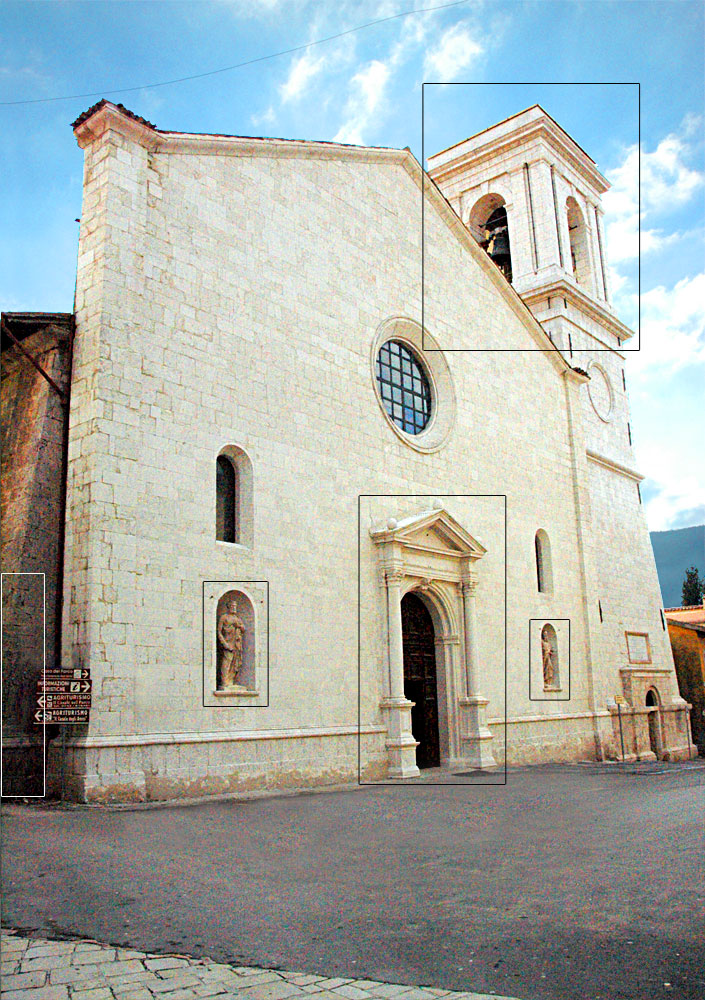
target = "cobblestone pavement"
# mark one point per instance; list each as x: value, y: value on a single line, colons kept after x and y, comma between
x: 37, y: 969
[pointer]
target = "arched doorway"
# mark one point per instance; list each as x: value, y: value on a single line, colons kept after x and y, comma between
x: 420, y: 678
x: 652, y: 702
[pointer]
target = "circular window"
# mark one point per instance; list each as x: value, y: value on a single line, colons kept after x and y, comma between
x: 413, y: 384
x: 403, y: 386
x: 600, y: 391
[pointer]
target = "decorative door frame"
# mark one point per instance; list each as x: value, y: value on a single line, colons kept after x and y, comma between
x: 432, y: 554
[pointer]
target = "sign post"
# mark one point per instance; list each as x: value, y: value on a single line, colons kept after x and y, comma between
x: 63, y: 699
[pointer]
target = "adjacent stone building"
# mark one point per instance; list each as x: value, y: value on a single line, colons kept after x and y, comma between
x: 36, y: 358
x: 309, y: 539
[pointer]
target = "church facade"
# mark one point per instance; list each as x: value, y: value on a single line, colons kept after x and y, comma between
x: 329, y: 516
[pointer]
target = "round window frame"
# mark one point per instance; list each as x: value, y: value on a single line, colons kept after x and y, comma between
x: 605, y: 417
x: 435, y: 368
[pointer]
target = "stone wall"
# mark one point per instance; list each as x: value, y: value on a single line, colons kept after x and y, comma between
x: 230, y: 295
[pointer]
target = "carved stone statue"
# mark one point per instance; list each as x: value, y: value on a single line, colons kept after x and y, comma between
x: 231, y: 630
x: 547, y: 658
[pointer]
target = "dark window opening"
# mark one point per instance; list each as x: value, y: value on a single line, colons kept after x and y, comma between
x: 403, y: 386
x: 496, y: 241
x: 663, y: 621
x: 599, y: 608
x: 539, y: 565
x: 629, y: 432
x: 225, y: 505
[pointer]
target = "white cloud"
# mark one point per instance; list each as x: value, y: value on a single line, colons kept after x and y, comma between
x: 367, y: 90
x: 303, y: 70
x: 667, y: 182
x: 676, y: 501
x: 267, y: 117
x: 455, y: 53
x: 672, y: 327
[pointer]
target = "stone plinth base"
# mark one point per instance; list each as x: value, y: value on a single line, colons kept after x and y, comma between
x: 400, y: 743
x: 475, y: 736
x: 236, y: 691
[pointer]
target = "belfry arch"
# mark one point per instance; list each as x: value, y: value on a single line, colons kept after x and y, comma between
x: 579, y: 252
x: 489, y: 226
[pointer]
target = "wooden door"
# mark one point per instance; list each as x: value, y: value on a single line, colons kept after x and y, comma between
x: 420, y: 678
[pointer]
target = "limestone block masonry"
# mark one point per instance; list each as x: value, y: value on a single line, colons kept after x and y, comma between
x: 230, y: 294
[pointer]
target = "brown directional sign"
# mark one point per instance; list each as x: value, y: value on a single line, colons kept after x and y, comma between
x: 65, y: 685
x: 63, y: 696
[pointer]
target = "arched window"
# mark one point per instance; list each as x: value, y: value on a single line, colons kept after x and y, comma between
x: 577, y: 232
x: 544, y: 570
x: 549, y: 657
x: 488, y: 224
x: 225, y: 500
x: 234, y: 520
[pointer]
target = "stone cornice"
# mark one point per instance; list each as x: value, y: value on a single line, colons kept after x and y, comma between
x: 109, y: 117
x: 495, y: 143
x: 564, y: 288
x: 576, y: 375
x: 609, y: 463
x: 220, y: 736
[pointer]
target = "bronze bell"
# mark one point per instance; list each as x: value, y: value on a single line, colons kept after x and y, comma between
x: 499, y: 244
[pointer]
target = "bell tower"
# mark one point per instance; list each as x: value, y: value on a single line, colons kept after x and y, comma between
x: 531, y: 197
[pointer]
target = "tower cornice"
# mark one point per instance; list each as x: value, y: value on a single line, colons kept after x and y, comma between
x: 501, y: 140
x: 572, y: 293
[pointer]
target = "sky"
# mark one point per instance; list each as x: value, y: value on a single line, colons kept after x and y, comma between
x: 580, y: 60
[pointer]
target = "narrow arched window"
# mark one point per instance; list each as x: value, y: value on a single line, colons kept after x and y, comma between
x: 577, y: 232
x: 225, y: 500
x: 544, y: 571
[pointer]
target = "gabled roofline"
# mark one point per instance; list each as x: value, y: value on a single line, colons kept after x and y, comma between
x: 104, y: 116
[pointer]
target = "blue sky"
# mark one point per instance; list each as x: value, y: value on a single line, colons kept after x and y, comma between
x: 365, y: 87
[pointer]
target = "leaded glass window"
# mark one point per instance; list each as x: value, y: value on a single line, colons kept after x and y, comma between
x: 404, y: 387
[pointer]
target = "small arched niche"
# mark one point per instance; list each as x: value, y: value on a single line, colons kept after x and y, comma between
x: 488, y: 224
x: 544, y: 568
x: 234, y: 513
x: 549, y: 658
x: 653, y: 702
x: 577, y: 233
x: 235, y: 643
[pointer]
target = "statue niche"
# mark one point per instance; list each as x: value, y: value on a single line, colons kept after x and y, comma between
x: 234, y: 628
x: 549, y: 657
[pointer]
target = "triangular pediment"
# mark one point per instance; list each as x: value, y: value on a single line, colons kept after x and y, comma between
x: 434, y: 531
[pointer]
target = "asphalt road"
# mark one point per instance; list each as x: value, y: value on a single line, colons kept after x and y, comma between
x: 580, y: 882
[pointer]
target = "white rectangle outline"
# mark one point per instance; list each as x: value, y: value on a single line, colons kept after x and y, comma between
x: 44, y: 676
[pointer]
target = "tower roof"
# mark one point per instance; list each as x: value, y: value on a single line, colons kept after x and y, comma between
x: 528, y: 126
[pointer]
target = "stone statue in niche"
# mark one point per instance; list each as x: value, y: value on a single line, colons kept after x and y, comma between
x: 231, y: 631
x: 547, y: 659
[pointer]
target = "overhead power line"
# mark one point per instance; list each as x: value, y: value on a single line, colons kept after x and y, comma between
x: 240, y: 65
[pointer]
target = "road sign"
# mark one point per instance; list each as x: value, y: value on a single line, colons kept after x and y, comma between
x: 63, y: 696
x: 64, y: 684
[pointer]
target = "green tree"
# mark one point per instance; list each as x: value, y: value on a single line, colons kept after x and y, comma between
x: 693, y: 587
